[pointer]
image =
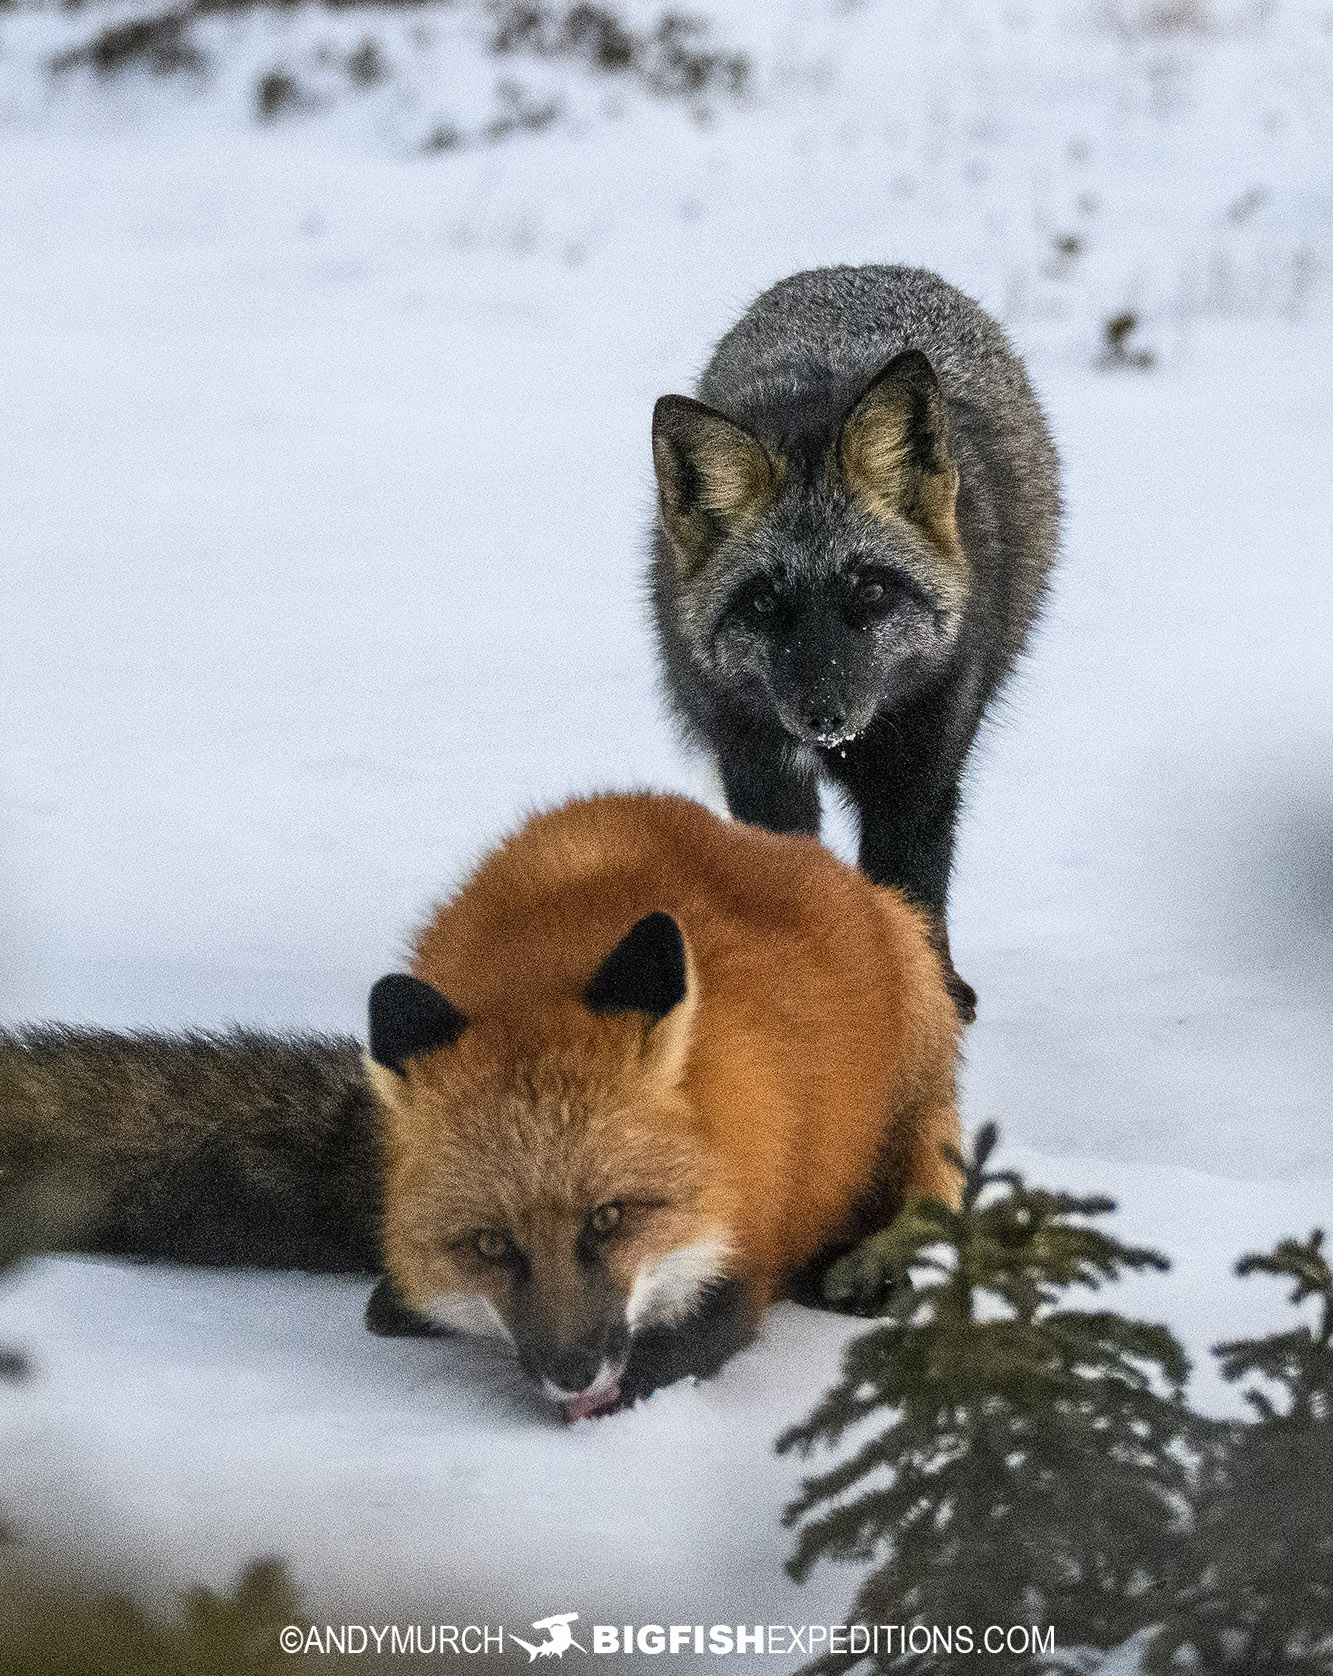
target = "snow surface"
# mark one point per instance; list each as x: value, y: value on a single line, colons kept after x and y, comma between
x: 326, y: 487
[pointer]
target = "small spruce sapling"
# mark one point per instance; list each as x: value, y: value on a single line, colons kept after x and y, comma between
x: 1255, y: 1588
x: 1028, y: 1463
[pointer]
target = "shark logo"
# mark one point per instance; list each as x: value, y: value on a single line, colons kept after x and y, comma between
x: 559, y: 1637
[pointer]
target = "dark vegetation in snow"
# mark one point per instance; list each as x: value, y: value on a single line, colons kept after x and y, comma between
x: 671, y: 58
x: 1035, y: 1464
x: 52, y: 1627
x: 48, y: 1629
x: 1253, y: 1584
x: 1032, y: 1462
x: 1120, y: 345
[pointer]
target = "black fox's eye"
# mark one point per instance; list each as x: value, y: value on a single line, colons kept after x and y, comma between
x: 872, y: 594
x: 490, y: 1246
x: 763, y: 602
x: 606, y: 1219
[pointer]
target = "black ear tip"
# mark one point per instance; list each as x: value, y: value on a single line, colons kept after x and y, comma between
x: 659, y: 931
x: 670, y: 413
x: 644, y: 973
x: 407, y: 1017
x: 916, y: 367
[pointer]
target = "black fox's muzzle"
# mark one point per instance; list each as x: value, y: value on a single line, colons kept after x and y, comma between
x: 819, y: 721
x: 823, y: 715
x: 823, y: 683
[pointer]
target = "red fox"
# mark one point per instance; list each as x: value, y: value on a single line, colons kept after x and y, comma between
x: 648, y: 1066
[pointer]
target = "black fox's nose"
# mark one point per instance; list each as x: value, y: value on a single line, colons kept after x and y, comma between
x: 573, y: 1370
x: 826, y: 718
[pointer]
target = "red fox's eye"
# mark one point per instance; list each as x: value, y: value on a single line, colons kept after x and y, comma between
x: 491, y: 1246
x: 605, y: 1219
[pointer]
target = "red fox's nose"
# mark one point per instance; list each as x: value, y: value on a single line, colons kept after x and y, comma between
x: 582, y: 1383
x: 573, y: 1370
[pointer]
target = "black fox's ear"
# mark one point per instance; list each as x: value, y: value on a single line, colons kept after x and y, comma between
x: 894, y: 449
x: 713, y: 477
x: 407, y: 1017
x: 644, y: 973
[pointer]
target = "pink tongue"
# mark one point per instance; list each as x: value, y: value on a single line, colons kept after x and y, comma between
x: 590, y: 1402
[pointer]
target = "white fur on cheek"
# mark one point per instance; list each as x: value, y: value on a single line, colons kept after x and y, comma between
x: 468, y: 1312
x: 669, y: 1288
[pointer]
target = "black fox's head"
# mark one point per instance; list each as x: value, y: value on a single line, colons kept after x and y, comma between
x: 820, y: 577
x: 546, y: 1183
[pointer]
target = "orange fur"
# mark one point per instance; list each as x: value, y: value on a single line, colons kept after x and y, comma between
x: 801, y: 1091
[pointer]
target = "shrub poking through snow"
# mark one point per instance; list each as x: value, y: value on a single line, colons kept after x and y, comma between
x: 1255, y: 1587
x: 277, y: 92
x: 159, y: 42
x: 1027, y: 1463
x: 1119, y: 348
x: 672, y: 57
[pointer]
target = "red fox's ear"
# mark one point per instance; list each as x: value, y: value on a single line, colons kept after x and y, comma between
x: 713, y: 477
x: 644, y: 973
x: 409, y: 1017
x: 894, y: 449
x: 648, y: 974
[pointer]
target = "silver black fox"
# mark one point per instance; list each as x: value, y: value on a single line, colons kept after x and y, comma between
x: 856, y: 520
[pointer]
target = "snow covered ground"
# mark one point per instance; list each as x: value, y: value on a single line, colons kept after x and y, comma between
x: 326, y: 477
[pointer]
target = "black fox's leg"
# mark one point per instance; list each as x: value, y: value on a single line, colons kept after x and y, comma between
x: 961, y: 993
x: 388, y: 1315
x: 763, y: 789
x: 908, y: 804
x: 725, y: 1322
x: 916, y: 857
x: 912, y: 852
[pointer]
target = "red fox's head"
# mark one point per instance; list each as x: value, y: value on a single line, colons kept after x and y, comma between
x: 547, y: 1182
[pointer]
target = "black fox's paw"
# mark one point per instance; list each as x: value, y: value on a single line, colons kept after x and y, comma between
x: 963, y: 996
x: 389, y: 1316
x: 961, y: 993
x: 862, y: 1280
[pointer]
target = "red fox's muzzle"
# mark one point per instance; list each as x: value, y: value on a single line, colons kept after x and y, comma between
x: 567, y: 1316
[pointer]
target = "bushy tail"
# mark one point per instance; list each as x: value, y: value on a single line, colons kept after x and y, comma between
x: 241, y: 1148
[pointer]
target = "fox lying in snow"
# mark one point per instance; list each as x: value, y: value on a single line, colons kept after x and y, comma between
x: 648, y: 1067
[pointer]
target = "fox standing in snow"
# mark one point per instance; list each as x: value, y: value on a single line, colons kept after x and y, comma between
x: 855, y: 524
x: 648, y: 1066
